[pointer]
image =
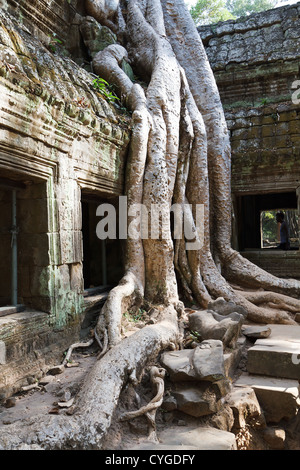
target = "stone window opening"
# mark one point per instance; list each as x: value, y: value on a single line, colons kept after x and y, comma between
x: 9, y: 247
x: 102, y: 259
x: 24, y: 245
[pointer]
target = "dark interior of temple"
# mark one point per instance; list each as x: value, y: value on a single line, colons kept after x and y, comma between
x: 248, y: 215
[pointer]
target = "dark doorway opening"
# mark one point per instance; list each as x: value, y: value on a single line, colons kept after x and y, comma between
x: 102, y: 259
x: 249, y: 216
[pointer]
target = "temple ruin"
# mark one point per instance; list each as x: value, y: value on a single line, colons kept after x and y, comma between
x: 63, y: 149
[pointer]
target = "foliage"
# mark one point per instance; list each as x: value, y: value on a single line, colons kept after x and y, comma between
x: 103, y: 87
x: 136, y: 316
x: 245, y: 7
x: 54, y: 42
x: 212, y: 11
x: 269, y: 226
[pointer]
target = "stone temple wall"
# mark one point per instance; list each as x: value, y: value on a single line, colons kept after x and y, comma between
x: 61, y: 144
x: 44, y: 18
x: 256, y: 62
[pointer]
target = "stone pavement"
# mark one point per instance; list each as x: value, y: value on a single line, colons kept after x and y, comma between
x: 191, y: 438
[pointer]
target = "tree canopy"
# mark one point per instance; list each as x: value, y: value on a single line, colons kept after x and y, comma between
x: 212, y: 11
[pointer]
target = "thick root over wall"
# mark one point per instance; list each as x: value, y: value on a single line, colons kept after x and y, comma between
x: 179, y: 153
x: 98, y: 398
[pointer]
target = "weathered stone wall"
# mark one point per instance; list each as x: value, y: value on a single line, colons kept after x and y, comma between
x: 44, y: 18
x: 52, y: 22
x: 255, y: 62
x: 59, y: 138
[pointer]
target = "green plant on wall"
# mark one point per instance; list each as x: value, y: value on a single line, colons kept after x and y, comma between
x: 54, y: 42
x: 103, y: 87
x: 264, y: 101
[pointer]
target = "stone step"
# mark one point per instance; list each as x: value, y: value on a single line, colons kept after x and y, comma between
x: 191, y: 438
x: 278, y: 355
x: 9, y: 309
x: 278, y: 397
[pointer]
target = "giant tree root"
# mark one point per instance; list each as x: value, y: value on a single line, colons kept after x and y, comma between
x: 157, y: 376
x: 273, y: 300
x: 248, y: 275
x: 84, y: 344
x: 98, y: 399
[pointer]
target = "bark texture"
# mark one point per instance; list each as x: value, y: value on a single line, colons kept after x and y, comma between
x: 180, y: 153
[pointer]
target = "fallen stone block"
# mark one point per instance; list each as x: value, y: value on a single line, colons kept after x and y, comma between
x: 208, y: 361
x: 256, y: 331
x: 278, y: 355
x: 246, y: 408
x: 178, y: 365
x: 196, y: 400
x: 278, y: 398
x: 205, y: 362
x: 211, y: 325
x: 221, y: 306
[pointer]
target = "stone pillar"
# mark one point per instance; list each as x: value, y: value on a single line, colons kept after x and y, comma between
x: 66, y: 279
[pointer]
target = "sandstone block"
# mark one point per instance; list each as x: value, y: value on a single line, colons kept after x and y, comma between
x: 279, y: 398
x: 223, y: 307
x: 205, y: 362
x: 257, y: 331
x: 278, y: 355
x: 211, y: 325
x: 245, y: 407
x: 196, y: 400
